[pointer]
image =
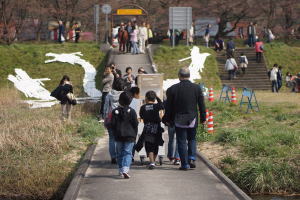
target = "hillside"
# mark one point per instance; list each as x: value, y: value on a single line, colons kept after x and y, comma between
x: 31, y: 57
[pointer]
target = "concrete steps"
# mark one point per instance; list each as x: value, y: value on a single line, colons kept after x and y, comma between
x: 256, y: 76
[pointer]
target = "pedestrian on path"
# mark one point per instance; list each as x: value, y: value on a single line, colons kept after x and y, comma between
x: 173, y: 154
x: 207, y: 35
x: 63, y: 93
x: 129, y: 29
x: 122, y: 38
x: 279, y: 77
x: 184, y: 99
x: 134, y: 40
x: 125, y: 127
x: 149, y: 35
x: 191, y: 35
x: 251, y: 34
x: 219, y: 44
x: 259, y: 49
x: 112, y: 102
x: 61, y: 32
x: 230, y: 47
x: 231, y: 67
x: 273, y: 77
x: 152, y: 132
x: 129, y: 78
x: 143, y: 37
x: 107, y: 82
x: 243, y: 63
x: 77, y: 32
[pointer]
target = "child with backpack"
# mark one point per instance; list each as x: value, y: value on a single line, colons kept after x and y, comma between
x: 125, y: 126
x: 243, y: 62
x: 152, y: 132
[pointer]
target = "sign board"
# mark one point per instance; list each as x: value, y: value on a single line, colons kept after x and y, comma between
x: 96, y: 14
x: 129, y: 12
x: 106, y: 9
x: 153, y: 82
x: 180, y: 18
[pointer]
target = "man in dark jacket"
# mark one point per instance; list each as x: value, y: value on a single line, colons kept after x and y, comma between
x: 183, y: 101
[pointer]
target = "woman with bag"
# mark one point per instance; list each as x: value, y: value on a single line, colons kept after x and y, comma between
x: 112, y: 102
x: 231, y: 67
x: 64, y: 93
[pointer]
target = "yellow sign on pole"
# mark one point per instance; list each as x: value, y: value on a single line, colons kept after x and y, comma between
x: 129, y: 12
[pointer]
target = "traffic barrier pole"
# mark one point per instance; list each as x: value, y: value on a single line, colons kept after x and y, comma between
x: 210, y: 123
x: 211, y: 95
x: 233, y: 96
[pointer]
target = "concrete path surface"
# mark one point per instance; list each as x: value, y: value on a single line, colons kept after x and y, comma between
x: 166, y: 182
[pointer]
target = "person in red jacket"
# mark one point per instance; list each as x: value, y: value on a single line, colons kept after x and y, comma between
x: 259, y: 49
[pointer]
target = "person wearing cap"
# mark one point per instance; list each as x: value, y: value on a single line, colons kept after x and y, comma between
x: 184, y: 99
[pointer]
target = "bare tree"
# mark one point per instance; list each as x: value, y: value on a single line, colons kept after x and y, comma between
x: 288, y: 15
x: 12, y: 16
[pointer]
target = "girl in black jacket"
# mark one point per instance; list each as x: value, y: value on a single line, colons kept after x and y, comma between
x: 125, y: 126
x: 65, y: 87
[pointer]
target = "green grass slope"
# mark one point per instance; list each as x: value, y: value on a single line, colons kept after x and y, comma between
x: 166, y: 58
x: 262, y: 147
x: 282, y: 54
x: 31, y: 58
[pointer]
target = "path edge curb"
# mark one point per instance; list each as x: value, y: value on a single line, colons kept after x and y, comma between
x: 231, y: 185
x: 73, y: 188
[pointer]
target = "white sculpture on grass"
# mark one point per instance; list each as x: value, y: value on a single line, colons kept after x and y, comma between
x: 89, y: 83
x: 32, y: 88
x: 196, y: 67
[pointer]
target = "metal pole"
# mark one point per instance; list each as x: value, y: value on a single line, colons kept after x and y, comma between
x: 173, y: 37
x: 187, y: 28
x: 106, y: 28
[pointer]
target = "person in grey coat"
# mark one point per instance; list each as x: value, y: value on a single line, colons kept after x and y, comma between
x: 107, y: 81
x: 112, y: 102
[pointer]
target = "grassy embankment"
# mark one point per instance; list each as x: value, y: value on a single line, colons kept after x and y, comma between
x: 31, y: 58
x: 167, y: 58
x: 39, y: 153
x: 259, y: 151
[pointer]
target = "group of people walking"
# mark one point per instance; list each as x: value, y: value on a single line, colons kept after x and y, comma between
x: 123, y: 111
x: 133, y: 38
x: 61, y: 32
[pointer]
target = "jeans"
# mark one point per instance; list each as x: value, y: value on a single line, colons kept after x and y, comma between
x: 258, y: 56
x: 231, y: 74
x: 111, y: 144
x: 279, y: 84
x: 186, y: 150
x: 135, y: 49
x: 274, y: 86
x: 104, y: 94
x: 172, y: 145
x: 251, y: 40
x: 124, y: 155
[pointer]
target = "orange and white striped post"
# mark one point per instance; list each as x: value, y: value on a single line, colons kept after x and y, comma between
x: 233, y: 96
x: 210, y: 123
x: 207, y: 115
x: 211, y: 95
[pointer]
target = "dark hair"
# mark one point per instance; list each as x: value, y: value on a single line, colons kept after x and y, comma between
x: 128, y: 68
x: 118, y: 84
x: 135, y: 90
x: 64, y: 78
x: 242, y: 54
x: 275, y: 65
x: 280, y: 67
x: 108, y: 66
x: 150, y: 95
x: 141, y: 69
x: 125, y: 99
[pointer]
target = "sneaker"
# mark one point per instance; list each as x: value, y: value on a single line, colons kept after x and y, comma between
x: 151, y: 166
x: 183, y: 168
x: 101, y: 121
x: 126, y: 175
x: 192, y: 164
x: 121, y: 175
x: 113, y: 161
x: 177, y: 162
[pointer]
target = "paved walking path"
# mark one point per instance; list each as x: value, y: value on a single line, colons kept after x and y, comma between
x: 166, y: 182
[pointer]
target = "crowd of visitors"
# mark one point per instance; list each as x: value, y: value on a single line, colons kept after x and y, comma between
x: 123, y: 110
x: 133, y: 38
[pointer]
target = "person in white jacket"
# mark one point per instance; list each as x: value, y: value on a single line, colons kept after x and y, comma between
x: 273, y: 78
x: 231, y: 67
x: 143, y: 37
x: 243, y: 62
